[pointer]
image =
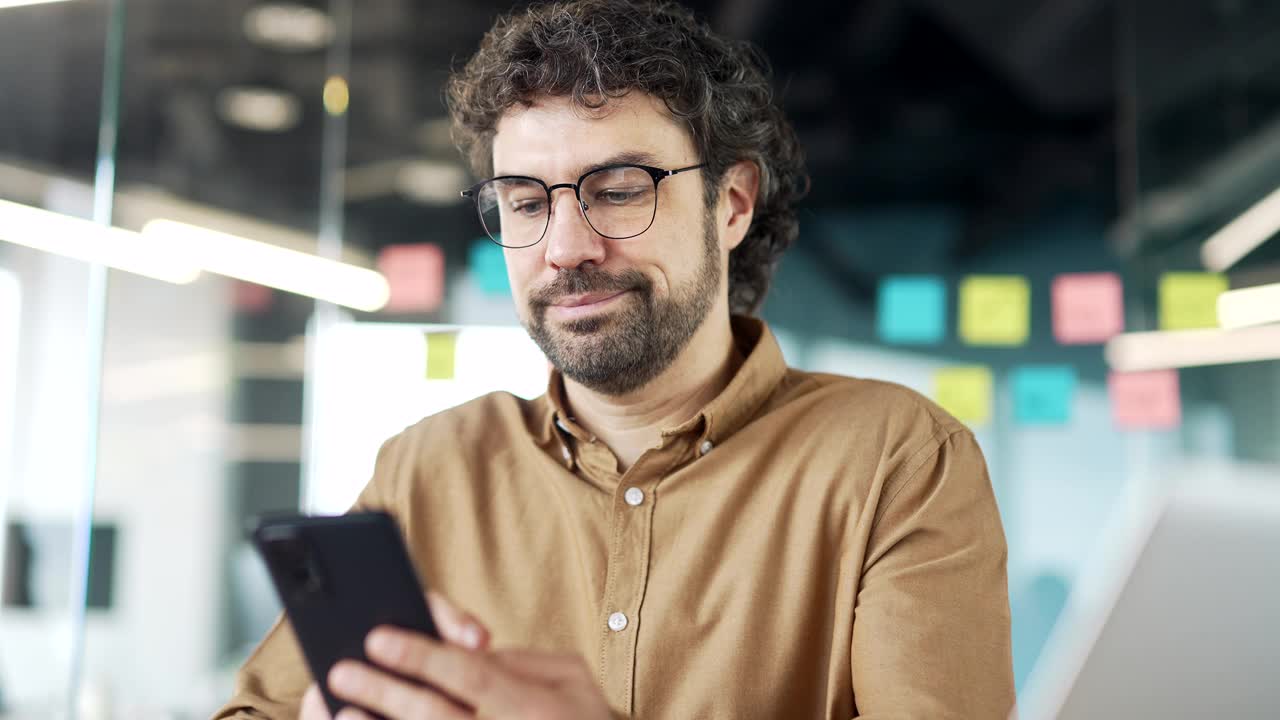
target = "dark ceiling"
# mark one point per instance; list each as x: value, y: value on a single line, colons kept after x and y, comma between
x: 988, y: 107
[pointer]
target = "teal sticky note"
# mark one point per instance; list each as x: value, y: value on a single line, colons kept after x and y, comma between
x: 488, y: 267
x: 912, y: 310
x: 1043, y: 394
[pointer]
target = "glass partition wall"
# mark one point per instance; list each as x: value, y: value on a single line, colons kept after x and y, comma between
x: 164, y: 382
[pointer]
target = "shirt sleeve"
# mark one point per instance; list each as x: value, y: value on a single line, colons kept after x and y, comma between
x: 931, y: 636
x: 272, y: 681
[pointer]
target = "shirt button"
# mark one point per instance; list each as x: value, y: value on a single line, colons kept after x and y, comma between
x: 705, y: 447
x: 617, y: 622
x: 634, y: 496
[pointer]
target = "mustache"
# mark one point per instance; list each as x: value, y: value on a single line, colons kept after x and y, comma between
x: 576, y: 281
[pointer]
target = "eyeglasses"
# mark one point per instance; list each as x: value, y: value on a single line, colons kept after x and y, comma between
x: 618, y: 201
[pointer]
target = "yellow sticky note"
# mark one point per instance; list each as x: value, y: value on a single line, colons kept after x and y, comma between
x: 965, y: 392
x: 1189, y: 300
x: 441, y: 351
x: 995, y: 310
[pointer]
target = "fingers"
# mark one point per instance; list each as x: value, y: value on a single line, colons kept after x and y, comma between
x: 472, y: 678
x: 313, y: 707
x: 393, y: 697
x: 455, y: 625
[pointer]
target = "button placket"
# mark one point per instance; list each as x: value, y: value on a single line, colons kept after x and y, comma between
x: 628, y: 573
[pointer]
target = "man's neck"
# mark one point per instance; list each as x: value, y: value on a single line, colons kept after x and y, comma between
x: 632, y: 423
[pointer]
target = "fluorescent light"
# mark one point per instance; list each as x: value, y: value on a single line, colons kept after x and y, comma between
x: 88, y: 241
x: 1132, y: 352
x: 274, y: 266
x: 1249, y: 306
x: 337, y: 96
x: 19, y: 3
x: 1240, y: 236
x: 259, y: 108
x: 289, y: 26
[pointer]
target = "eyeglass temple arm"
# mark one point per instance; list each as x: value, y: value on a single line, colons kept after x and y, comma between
x: 677, y: 171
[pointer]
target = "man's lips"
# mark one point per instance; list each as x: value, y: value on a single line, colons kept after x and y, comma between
x: 571, y: 306
x: 574, y: 301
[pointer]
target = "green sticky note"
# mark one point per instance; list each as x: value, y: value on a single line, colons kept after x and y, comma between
x: 995, y: 310
x: 488, y: 267
x: 965, y: 392
x: 441, y: 353
x: 1189, y: 300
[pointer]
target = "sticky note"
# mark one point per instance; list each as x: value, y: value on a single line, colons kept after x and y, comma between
x: 995, y: 310
x: 1088, y: 308
x: 912, y: 310
x: 965, y: 392
x: 1145, y: 400
x: 251, y: 298
x: 1043, y: 394
x: 488, y: 267
x: 1189, y: 300
x: 441, y: 352
x: 416, y: 275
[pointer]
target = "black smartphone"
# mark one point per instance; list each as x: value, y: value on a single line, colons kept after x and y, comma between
x: 338, y: 578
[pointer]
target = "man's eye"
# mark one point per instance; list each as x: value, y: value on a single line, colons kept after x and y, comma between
x: 621, y: 196
x: 528, y: 208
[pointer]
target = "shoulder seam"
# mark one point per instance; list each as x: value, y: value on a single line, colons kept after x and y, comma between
x: 914, y: 467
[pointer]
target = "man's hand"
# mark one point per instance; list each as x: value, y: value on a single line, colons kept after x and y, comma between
x: 472, y: 681
x: 455, y: 627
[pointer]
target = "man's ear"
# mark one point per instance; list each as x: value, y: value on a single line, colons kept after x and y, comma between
x: 737, y: 205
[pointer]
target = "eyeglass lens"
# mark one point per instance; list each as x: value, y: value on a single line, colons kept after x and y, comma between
x: 618, y: 202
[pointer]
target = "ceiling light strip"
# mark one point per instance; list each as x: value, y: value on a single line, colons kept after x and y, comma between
x: 90, y: 242
x: 265, y: 264
x: 1248, y: 307
x: 21, y: 3
x: 1241, y: 236
x: 1132, y: 352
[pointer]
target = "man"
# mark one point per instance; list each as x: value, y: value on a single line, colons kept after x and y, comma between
x: 682, y: 527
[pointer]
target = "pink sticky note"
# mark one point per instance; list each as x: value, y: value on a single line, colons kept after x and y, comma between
x: 1087, y: 308
x: 251, y: 298
x: 416, y: 275
x: 1145, y: 400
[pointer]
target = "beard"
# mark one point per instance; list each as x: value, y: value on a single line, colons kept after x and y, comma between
x: 623, y: 348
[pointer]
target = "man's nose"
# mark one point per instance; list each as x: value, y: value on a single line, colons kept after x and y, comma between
x: 571, y: 241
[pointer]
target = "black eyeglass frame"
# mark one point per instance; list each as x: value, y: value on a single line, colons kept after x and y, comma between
x: 658, y: 175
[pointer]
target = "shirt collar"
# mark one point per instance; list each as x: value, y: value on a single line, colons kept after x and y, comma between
x: 760, y: 372
x: 752, y: 385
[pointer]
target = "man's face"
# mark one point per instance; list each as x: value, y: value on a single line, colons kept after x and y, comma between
x: 611, y: 314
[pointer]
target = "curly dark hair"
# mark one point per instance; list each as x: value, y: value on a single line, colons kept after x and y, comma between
x: 594, y: 50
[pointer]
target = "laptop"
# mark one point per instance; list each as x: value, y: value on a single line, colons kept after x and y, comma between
x: 1188, y: 627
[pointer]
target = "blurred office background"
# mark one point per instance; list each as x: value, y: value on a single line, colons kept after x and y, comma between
x: 999, y: 188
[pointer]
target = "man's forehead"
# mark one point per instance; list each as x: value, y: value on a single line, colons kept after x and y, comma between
x: 554, y: 130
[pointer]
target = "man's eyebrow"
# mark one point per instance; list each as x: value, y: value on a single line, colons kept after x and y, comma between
x: 627, y: 157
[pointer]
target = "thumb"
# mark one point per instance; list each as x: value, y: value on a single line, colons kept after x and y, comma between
x: 313, y: 707
x: 458, y: 627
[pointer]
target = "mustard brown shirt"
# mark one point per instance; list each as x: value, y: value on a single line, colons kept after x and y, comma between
x: 807, y: 546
